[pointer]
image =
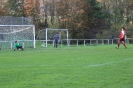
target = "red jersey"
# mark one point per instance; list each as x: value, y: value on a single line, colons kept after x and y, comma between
x: 122, y: 34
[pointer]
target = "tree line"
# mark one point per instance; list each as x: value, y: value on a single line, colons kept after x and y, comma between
x: 83, y: 18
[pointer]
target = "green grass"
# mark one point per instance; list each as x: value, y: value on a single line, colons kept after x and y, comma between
x: 100, y: 66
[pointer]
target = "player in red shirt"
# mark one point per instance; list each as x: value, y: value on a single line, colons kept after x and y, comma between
x: 122, y: 38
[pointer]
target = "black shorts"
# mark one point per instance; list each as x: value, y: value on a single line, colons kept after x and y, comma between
x: 56, y: 42
x: 19, y: 47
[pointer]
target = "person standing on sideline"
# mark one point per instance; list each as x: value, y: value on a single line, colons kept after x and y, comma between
x: 17, y: 46
x: 121, y: 39
x: 56, y: 38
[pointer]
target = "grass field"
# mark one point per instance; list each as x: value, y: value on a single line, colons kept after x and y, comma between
x: 100, y: 66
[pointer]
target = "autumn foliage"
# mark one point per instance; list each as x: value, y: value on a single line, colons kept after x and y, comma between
x: 83, y: 18
x: 29, y: 7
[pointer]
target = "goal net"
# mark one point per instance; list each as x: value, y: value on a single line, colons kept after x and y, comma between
x: 25, y: 34
x: 46, y: 36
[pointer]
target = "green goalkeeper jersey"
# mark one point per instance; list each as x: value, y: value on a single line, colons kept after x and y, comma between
x: 16, y: 45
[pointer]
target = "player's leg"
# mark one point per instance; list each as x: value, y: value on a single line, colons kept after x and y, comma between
x: 123, y: 42
x: 56, y: 44
x: 20, y: 47
x: 119, y: 42
x: 17, y: 47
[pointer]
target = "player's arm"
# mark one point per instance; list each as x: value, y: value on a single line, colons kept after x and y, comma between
x: 125, y: 36
x: 18, y: 44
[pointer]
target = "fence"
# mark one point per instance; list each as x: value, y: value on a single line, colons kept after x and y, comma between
x: 16, y: 28
x: 10, y: 20
x: 86, y: 42
x: 73, y: 42
x: 97, y: 41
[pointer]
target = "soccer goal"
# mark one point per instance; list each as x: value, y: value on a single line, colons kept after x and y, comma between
x: 25, y: 34
x: 46, y: 36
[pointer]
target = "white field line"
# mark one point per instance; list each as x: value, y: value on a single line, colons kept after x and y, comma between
x: 109, y: 63
x: 70, y: 65
x: 89, y: 65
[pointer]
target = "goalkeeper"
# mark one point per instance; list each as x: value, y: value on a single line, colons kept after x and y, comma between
x: 56, y: 38
x: 17, y: 46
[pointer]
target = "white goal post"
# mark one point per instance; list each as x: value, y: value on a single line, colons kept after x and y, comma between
x: 46, y: 35
x: 55, y: 29
x: 22, y: 33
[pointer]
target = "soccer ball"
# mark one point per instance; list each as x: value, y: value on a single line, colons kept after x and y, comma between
x: 42, y: 45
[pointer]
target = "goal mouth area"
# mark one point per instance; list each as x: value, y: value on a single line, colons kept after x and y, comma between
x: 47, y: 35
x: 23, y: 33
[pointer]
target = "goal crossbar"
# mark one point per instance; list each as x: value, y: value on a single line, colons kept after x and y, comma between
x: 22, y: 28
x: 15, y: 31
x: 55, y: 29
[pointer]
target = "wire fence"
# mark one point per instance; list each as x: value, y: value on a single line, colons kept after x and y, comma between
x: 15, y: 28
x: 10, y: 20
x: 69, y: 42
